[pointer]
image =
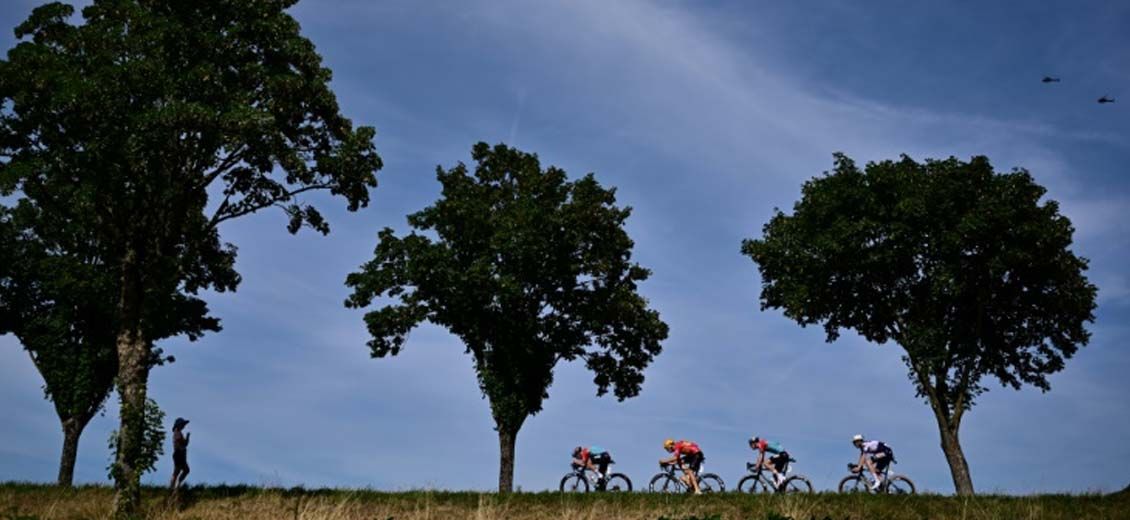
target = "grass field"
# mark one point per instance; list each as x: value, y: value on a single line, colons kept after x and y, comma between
x: 41, y: 502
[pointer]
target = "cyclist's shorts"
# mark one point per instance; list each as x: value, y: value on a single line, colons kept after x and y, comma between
x: 694, y: 460
x: 882, y: 460
x: 780, y: 461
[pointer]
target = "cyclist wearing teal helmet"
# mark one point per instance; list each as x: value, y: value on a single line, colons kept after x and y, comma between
x: 594, y: 458
x: 777, y: 463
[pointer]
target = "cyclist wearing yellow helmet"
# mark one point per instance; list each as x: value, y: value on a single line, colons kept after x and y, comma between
x: 688, y: 457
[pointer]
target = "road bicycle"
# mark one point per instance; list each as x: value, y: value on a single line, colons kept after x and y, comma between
x: 667, y: 481
x: 761, y: 481
x: 857, y: 482
x: 582, y: 479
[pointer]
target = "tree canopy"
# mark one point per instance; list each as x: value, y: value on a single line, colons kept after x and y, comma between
x: 149, y: 124
x: 969, y: 270
x: 528, y: 269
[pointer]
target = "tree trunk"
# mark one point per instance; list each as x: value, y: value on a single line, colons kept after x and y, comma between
x: 506, y: 441
x: 948, y: 426
x: 72, y: 430
x: 959, y: 468
x: 133, y: 374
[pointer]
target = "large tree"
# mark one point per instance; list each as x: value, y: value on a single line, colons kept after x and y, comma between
x: 969, y: 270
x: 58, y: 299
x: 528, y: 269
x: 148, y: 125
x: 52, y: 306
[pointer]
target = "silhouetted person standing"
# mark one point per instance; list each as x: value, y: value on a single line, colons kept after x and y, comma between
x: 180, y: 453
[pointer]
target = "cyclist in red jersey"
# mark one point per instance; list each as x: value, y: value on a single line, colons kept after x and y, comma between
x: 777, y: 462
x: 688, y: 457
x: 595, y: 458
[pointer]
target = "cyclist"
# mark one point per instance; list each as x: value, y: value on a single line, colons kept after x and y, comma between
x: 876, y: 455
x: 779, y: 461
x: 594, y: 458
x: 688, y: 457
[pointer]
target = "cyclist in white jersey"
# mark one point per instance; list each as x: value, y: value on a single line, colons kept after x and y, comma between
x: 875, y: 455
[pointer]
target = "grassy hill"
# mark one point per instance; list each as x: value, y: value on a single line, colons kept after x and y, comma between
x: 41, y: 502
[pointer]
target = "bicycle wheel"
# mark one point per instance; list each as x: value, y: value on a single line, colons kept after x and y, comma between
x: 574, y: 483
x: 710, y: 483
x: 900, y: 485
x: 665, y: 483
x: 752, y: 484
x: 618, y: 482
x: 854, y: 484
x: 797, y: 484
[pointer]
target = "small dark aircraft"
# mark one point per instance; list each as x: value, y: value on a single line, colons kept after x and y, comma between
x: 1105, y: 99
x: 1049, y: 79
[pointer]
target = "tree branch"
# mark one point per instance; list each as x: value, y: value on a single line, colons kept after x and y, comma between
x: 962, y: 392
x: 228, y: 163
x: 931, y: 393
x: 219, y: 217
x: 219, y: 211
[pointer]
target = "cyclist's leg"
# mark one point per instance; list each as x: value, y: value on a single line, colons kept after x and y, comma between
x: 602, y: 463
x: 869, y: 461
x: 685, y: 467
x: 882, y: 462
x: 695, y: 467
x: 777, y: 466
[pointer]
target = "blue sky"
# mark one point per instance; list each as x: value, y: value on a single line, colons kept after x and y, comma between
x: 705, y: 116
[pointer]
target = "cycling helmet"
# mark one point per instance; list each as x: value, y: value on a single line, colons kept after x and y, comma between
x: 857, y: 438
x: 577, y: 451
x: 668, y: 444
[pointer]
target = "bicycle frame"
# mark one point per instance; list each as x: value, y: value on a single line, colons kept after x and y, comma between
x: 672, y: 468
x: 864, y: 469
x: 588, y: 473
x: 672, y: 478
x: 758, y: 472
x: 676, y: 474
